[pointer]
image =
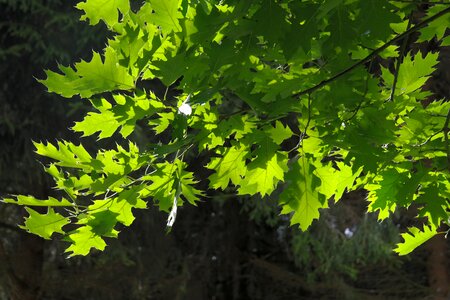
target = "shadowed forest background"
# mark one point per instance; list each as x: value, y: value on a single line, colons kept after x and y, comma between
x: 226, y: 248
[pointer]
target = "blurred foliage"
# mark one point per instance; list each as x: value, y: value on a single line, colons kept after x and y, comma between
x: 368, y: 243
x: 358, y: 237
x: 35, y: 34
x: 347, y: 251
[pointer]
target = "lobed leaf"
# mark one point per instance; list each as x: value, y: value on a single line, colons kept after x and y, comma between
x: 44, y: 225
x: 105, y: 10
x: 32, y: 201
x: 89, y: 78
x: 414, y: 238
x: 301, y: 197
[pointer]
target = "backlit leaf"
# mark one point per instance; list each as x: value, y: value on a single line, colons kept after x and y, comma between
x: 83, y: 240
x: 230, y: 167
x: 106, y: 10
x: 301, y: 197
x: 31, y: 201
x: 414, y: 238
x: 90, y: 78
x: 44, y: 225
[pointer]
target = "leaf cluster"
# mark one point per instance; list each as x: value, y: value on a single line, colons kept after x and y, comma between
x: 279, y: 95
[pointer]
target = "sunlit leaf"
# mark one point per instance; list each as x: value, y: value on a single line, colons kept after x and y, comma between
x: 414, y: 238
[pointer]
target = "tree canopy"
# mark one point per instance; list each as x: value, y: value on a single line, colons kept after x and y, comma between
x: 298, y: 100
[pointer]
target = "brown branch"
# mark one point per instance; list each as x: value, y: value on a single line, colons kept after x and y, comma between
x: 372, y: 55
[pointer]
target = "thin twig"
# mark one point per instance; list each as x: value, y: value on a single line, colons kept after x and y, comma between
x: 366, y: 89
x: 427, y: 140
x: 303, y: 133
x: 309, y: 117
x: 372, y: 55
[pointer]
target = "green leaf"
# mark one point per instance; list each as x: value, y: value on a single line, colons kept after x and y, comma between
x: 83, y: 240
x: 414, y: 73
x: 391, y: 188
x: 67, y: 154
x: 263, y: 175
x: 121, y: 208
x: 230, y: 167
x: 435, y: 28
x: 434, y: 205
x: 188, y: 191
x: 336, y: 181
x: 279, y: 133
x: 238, y: 125
x: 105, y: 123
x: 301, y: 197
x: 165, y: 180
x: 172, y: 69
x: 125, y: 113
x: 106, y: 10
x: 44, y: 225
x: 376, y: 27
x: 162, y: 186
x: 31, y: 201
x: 270, y: 21
x: 267, y: 169
x: 163, y: 122
x: 90, y: 78
x: 383, y: 194
x: 166, y: 15
x: 102, y: 223
x: 303, y: 29
x: 414, y: 238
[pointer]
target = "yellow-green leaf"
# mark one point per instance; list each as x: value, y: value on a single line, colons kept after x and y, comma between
x: 44, y: 225
x: 414, y: 238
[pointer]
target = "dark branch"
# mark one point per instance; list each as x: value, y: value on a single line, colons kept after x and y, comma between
x: 373, y: 54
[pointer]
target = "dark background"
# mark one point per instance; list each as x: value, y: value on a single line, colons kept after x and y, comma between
x: 226, y: 248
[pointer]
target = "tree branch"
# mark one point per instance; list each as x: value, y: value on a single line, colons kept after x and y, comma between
x: 372, y: 55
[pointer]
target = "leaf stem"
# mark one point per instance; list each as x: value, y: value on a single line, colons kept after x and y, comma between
x: 364, y: 95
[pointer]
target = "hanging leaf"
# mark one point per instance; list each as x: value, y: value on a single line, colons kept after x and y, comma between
x: 44, y: 225
x: 106, y: 10
x: 90, y: 78
x: 301, y: 197
x: 414, y: 238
